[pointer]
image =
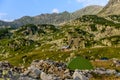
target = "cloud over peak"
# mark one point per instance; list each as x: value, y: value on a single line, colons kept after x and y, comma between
x: 2, y: 15
x: 92, y: 2
x: 55, y: 10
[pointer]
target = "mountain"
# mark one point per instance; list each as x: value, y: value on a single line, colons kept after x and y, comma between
x: 54, y: 18
x: 93, y: 37
x: 89, y: 35
x: 89, y: 10
x: 112, y: 8
x: 3, y: 23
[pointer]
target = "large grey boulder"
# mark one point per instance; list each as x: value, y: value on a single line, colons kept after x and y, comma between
x: 100, y: 71
x: 79, y: 76
x: 45, y: 76
x: 110, y: 72
x: 26, y: 78
x: 34, y: 72
x: 118, y: 74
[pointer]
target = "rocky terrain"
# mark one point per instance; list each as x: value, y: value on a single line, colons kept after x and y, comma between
x: 43, y: 51
x: 112, y: 8
x: 51, y: 70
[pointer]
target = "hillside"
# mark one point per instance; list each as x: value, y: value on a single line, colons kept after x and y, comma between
x: 6, y: 24
x: 42, y: 49
x: 88, y: 32
x: 95, y: 39
x: 93, y: 34
x: 112, y: 8
x: 54, y: 18
x: 89, y: 10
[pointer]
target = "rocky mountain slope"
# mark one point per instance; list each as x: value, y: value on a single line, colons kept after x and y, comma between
x: 87, y: 34
x: 89, y: 10
x: 54, y: 18
x: 91, y: 37
x: 112, y: 8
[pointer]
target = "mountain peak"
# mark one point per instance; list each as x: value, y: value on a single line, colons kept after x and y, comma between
x: 114, y: 1
x: 112, y: 8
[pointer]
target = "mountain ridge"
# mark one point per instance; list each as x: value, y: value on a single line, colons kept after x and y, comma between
x: 55, y: 18
x: 112, y: 8
x: 89, y: 10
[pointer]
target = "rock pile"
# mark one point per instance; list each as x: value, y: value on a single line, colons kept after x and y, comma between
x: 5, y: 65
x: 103, y: 71
x: 49, y: 70
x: 116, y: 62
x: 7, y: 71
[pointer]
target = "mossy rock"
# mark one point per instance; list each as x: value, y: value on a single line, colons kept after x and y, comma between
x: 79, y: 63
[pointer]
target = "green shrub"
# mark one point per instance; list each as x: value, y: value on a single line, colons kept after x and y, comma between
x: 93, y: 27
x: 79, y: 63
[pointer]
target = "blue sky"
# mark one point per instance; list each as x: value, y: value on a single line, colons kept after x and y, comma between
x: 14, y: 9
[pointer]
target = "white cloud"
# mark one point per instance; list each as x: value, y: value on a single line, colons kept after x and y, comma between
x: 80, y: 1
x: 92, y: 2
x: 7, y: 20
x: 55, y: 10
x: 2, y: 15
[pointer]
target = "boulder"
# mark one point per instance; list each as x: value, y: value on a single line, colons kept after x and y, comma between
x: 67, y: 74
x: 26, y: 78
x: 110, y: 72
x: 118, y: 75
x: 79, y: 76
x: 45, y: 76
x: 35, y: 73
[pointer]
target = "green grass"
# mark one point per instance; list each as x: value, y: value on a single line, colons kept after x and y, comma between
x: 38, y: 54
x: 109, y: 52
x: 79, y: 63
x: 97, y: 53
x: 98, y: 20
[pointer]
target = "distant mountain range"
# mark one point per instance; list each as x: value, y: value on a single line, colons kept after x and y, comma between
x: 112, y: 8
x: 54, y: 18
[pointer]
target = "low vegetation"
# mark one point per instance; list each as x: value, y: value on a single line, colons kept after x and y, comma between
x: 85, y: 37
x: 79, y: 63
